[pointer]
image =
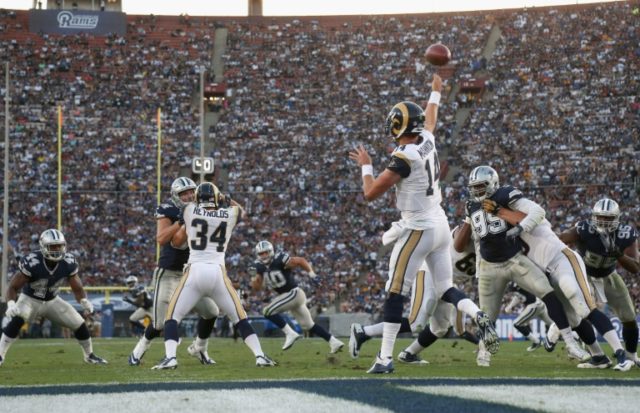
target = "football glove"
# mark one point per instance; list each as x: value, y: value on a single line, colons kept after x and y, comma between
x: 467, y: 208
x: 12, y: 309
x: 514, y: 233
x: 180, y: 217
x: 86, y: 305
x: 491, y: 206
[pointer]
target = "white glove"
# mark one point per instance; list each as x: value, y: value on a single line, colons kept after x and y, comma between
x: 86, y: 304
x: 312, y: 274
x: 12, y: 309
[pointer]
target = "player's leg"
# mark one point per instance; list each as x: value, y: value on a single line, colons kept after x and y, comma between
x: 492, y: 282
x: 165, y: 284
x: 284, y: 302
x: 303, y: 316
x: 531, y: 278
x: 28, y: 309
x: 208, y: 311
x: 134, y: 319
x: 620, y: 302
x: 407, y: 257
x: 63, y: 313
x: 439, y: 323
x: 226, y: 296
x: 523, y: 320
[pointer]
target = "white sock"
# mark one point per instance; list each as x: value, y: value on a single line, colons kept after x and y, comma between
x: 374, y: 330
x: 289, y: 331
x: 254, y: 345
x: 567, y: 336
x: 632, y: 356
x: 202, y: 343
x: 595, y: 349
x: 142, y: 346
x: 170, y: 348
x: 389, y: 333
x: 532, y: 337
x: 612, y: 338
x: 414, y: 348
x: 5, y: 343
x: 468, y: 307
x: 87, y: 347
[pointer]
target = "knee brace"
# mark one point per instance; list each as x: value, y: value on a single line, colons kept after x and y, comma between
x: 393, y: 308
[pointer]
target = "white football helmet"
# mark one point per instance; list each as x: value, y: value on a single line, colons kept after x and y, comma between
x: 178, y: 186
x: 605, y: 216
x: 131, y: 281
x: 483, y: 182
x: 53, y: 245
x: 261, y: 248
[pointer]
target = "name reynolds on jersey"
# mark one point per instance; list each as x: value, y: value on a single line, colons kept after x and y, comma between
x: 216, y: 213
x: 426, y: 149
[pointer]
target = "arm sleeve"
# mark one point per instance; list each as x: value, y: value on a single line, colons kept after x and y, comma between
x: 399, y: 165
x: 535, y: 213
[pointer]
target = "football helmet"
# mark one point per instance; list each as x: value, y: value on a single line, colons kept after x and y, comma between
x: 53, y: 245
x: 483, y: 182
x: 605, y: 216
x: 178, y: 186
x: 403, y: 119
x: 131, y: 281
x: 208, y: 195
x: 261, y: 248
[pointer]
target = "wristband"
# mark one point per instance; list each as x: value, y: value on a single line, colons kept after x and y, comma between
x: 367, y: 170
x: 435, y: 98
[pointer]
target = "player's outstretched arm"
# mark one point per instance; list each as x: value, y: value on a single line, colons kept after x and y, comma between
x: 512, y: 217
x: 569, y: 236
x: 165, y: 230
x: 372, y: 188
x: 179, y: 237
x: 630, y: 259
x: 462, y: 237
x: 300, y: 262
x: 81, y: 296
x: 431, y: 112
x: 18, y: 281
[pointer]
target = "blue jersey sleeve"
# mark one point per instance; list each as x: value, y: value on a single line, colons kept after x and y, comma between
x: 167, y: 211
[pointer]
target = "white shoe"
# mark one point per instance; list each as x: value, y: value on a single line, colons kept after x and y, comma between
x: 574, y: 351
x: 166, y: 364
x: 406, y: 357
x: 483, y: 359
x: 200, y: 354
x: 290, y: 339
x: 335, y: 345
x: 381, y: 366
x: 624, y: 364
x: 138, y: 352
x: 264, y: 361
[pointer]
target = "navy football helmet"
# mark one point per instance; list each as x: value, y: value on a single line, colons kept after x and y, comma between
x: 208, y: 195
x: 405, y: 118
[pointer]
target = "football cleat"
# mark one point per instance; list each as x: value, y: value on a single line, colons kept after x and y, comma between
x: 381, y: 366
x: 487, y: 333
x: 133, y: 361
x: 548, y: 344
x: 335, y: 345
x: 574, y: 351
x: 597, y: 362
x: 200, y: 354
x: 409, y: 358
x: 624, y: 364
x: 265, y: 361
x: 356, y: 339
x: 138, y: 352
x: 167, y: 363
x: 290, y: 339
x: 534, y: 346
x: 93, y: 359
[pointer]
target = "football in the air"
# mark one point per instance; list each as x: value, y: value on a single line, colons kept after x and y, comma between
x: 438, y: 54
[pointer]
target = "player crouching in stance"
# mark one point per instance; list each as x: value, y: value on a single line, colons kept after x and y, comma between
x: 207, y: 230
x: 139, y: 297
x: 275, y: 270
x: 41, y: 273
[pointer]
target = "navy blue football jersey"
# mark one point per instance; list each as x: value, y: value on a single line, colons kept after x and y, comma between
x: 141, y: 296
x: 491, y: 230
x: 171, y: 258
x: 44, y: 281
x: 597, y: 259
x: 277, y: 276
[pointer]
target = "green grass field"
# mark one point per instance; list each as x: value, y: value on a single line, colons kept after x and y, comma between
x: 42, y: 362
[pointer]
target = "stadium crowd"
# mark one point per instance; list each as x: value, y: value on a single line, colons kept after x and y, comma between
x: 560, y: 121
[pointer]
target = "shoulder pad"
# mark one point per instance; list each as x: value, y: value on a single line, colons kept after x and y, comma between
x: 507, y: 194
x: 283, y: 257
x: 406, y: 152
x: 167, y: 211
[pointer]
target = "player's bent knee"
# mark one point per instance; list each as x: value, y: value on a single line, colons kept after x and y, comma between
x: 82, y: 332
x: 12, y: 329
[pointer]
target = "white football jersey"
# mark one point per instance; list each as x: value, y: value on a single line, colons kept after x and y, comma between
x: 418, y: 195
x: 208, y: 232
x: 464, y: 263
x: 542, y: 244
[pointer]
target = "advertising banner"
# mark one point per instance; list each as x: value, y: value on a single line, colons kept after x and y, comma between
x: 99, y: 23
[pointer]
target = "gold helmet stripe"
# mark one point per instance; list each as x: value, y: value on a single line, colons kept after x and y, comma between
x: 397, y: 132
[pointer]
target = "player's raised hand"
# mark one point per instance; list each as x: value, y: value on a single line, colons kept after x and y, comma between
x: 360, y: 155
x: 436, y: 84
